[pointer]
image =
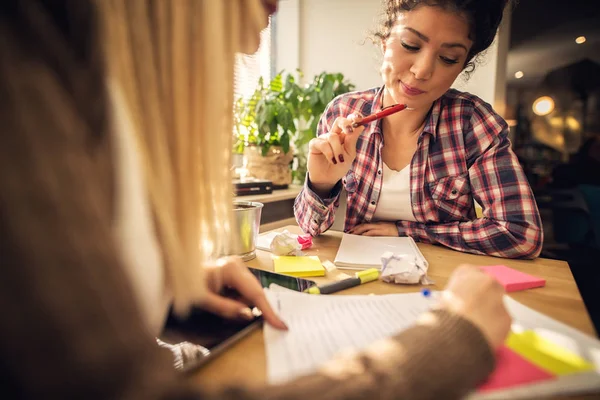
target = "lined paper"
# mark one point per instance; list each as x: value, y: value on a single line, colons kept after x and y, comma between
x: 321, y: 326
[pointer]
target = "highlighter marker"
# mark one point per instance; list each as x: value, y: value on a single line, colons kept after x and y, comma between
x: 360, y: 277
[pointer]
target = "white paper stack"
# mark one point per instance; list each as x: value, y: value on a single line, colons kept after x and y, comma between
x: 364, y: 252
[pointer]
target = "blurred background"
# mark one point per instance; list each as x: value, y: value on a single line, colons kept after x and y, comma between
x: 553, y: 107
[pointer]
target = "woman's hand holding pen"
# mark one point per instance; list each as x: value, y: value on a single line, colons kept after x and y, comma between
x: 330, y: 156
x: 478, y: 297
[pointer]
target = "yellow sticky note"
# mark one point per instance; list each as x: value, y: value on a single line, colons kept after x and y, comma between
x: 298, y: 266
x: 546, y: 354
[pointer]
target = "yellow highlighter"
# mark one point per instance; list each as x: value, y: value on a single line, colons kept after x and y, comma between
x: 368, y: 275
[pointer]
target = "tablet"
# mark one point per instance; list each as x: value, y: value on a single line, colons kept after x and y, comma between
x: 215, y: 333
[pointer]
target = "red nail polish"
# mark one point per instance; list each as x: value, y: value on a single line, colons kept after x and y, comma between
x: 341, y: 158
x: 334, y: 160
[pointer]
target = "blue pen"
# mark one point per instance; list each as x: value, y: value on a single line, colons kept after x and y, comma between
x: 429, y: 294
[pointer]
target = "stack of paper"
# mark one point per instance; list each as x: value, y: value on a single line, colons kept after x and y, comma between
x: 541, y: 357
x: 363, y: 252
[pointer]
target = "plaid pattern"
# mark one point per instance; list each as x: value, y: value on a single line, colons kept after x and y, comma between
x: 462, y: 156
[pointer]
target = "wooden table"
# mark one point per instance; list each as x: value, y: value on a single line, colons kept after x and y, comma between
x: 560, y: 299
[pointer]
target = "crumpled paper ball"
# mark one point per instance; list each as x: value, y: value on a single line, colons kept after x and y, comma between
x: 289, y: 244
x: 403, y: 269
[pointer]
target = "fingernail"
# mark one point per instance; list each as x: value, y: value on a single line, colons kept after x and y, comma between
x: 349, y: 128
x: 246, y: 313
x: 341, y: 158
x: 334, y: 160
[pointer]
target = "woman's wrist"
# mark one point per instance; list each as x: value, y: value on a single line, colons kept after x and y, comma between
x: 321, y: 189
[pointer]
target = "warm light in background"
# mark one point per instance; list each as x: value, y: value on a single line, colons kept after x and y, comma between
x: 519, y: 74
x: 543, y: 105
x: 573, y: 124
x: 580, y: 40
x: 557, y: 122
x: 569, y: 122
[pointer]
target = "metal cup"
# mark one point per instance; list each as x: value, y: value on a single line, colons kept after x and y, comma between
x: 247, y: 220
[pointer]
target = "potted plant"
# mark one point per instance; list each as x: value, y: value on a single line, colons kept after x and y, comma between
x: 264, y: 125
x: 280, y: 118
x: 315, y: 97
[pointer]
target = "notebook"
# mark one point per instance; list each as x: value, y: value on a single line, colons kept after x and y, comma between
x: 514, y: 280
x: 298, y: 266
x: 364, y: 252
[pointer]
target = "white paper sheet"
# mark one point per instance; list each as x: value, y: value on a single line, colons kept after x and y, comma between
x: 263, y: 242
x: 362, y: 252
x: 321, y: 326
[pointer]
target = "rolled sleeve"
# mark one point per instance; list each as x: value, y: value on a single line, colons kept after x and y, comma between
x: 314, y: 214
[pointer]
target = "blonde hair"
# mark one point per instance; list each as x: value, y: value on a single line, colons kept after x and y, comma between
x: 173, y: 62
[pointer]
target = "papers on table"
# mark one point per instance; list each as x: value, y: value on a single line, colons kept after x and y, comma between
x: 363, y: 252
x: 321, y: 326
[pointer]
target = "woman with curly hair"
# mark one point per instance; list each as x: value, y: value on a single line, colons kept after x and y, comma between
x: 419, y: 173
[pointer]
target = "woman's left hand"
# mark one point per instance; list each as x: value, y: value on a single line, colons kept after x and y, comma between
x: 375, y: 229
x: 231, y: 272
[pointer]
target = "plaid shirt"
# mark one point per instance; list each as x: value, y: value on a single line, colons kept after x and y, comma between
x: 462, y: 156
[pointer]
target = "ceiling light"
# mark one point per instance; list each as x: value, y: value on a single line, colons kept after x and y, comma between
x: 543, y: 105
x: 580, y: 40
x: 519, y: 74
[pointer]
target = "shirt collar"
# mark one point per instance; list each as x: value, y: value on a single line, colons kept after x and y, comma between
x: 431, y: 120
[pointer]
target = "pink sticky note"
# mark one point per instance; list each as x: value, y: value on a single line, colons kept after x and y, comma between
x: 513, y: 370
x: 514, y: 280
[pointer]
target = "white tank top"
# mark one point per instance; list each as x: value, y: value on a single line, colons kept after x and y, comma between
x: 394, y: 199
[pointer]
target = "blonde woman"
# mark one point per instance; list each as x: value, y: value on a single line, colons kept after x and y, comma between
x: 115, y: 121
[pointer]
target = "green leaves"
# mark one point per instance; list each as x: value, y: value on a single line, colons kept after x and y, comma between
x: 283, y: 113
x: 285, y: 142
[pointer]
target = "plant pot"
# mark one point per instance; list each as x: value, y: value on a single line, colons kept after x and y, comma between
x: 275, y: 166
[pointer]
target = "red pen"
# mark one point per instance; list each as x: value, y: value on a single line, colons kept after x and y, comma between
x: 378, y: 115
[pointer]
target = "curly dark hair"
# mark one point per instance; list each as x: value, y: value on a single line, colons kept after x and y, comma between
x: 483, y: 16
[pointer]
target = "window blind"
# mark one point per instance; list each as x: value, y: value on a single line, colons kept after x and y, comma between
x: 249, y: 68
